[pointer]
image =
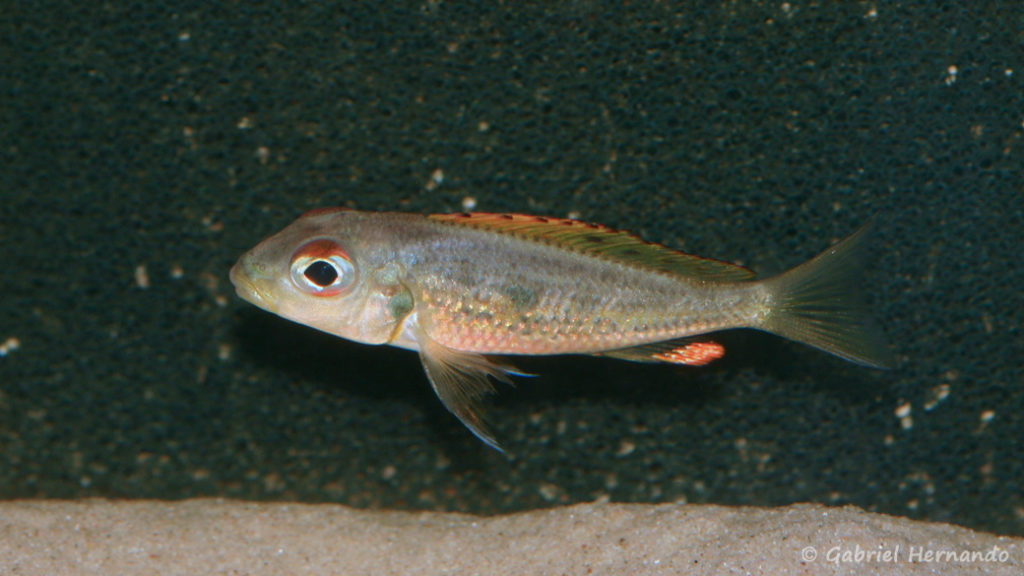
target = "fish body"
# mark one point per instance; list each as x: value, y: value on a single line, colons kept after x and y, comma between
x: 459, y: 287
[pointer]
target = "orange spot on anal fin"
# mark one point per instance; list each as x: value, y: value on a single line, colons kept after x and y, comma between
x: 693, y: 354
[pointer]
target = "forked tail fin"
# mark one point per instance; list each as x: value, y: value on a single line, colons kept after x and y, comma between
x: 819, y: 303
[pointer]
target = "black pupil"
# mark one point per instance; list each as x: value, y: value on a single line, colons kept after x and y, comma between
x: 321, y: 273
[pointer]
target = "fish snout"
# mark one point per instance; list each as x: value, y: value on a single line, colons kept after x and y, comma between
x: 247, y: 276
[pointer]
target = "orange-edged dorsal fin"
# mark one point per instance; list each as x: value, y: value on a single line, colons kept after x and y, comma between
x: 314, y: 212
x: 600, y: 241
x: 687, y: 351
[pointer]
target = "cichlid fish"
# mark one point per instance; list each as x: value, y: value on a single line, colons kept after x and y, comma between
x: 459, y: 287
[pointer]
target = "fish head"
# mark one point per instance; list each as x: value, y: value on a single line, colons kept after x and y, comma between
x: 318, y: 271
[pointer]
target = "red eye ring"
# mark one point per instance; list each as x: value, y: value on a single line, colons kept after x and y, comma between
x: 322, y: 268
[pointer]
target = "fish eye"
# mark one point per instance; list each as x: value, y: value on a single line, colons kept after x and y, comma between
x: 321, y: 272
x: 322, y: 268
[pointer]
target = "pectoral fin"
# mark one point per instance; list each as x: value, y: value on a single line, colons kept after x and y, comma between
x: 460, y: 381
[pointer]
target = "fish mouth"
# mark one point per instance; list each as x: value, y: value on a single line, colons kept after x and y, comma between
x: 247, y: 289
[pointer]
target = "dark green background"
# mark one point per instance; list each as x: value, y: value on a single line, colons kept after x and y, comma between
x: 756, y: 132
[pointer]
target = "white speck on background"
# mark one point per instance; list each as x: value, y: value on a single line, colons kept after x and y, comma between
x: 626, y: 447
x: 951, y: 74
x: 9, y: 345
x: 141, y: 276
x: 986, y: 417
x: 935, y: 396
x: 903, y: 413
x: 436, y: 178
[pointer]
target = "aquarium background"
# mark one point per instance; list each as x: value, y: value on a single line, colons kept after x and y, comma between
x: 145, y: 146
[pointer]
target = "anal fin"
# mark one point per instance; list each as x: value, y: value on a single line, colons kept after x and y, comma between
x: 460, y: 380
x: 685, y: 351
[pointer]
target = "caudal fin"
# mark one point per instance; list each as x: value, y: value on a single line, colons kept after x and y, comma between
x: 819, y: 303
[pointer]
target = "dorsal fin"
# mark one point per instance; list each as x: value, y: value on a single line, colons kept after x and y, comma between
x: 601, y: 241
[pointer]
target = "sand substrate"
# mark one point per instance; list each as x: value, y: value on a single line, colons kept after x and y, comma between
x: 225, y: 537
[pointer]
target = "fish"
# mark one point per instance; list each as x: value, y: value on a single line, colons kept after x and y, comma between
x: 463, y: 288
